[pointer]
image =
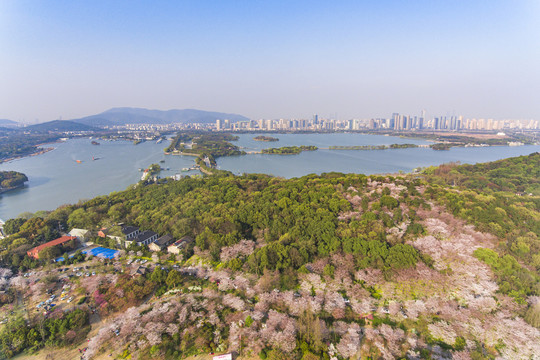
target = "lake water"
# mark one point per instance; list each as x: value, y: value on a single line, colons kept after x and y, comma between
x: 55, y: 178
x: 354, y: 161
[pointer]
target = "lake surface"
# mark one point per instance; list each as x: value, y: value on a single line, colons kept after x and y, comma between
x: 56, y: 178
x: 355, y: 161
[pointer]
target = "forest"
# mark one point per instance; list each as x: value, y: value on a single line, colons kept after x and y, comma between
x: 442, y: 263
x: 14, y: 144
x: 289, y: 150
x: 61, y: 329
x: 517, y: 175
x: 265, y: 138
x: 11, y: 179
x: 205, y: 143
x: 501, y: 198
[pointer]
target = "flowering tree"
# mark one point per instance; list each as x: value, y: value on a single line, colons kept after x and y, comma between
x: 243, y: 248
x: 350, y: 342
x: 279, y: 331
x: 234, y: 302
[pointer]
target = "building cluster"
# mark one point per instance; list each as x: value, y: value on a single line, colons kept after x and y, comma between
x: 314, y: 124
x: 159, y: 128
x: 396, y: 122
x: 127, y: 235
x: 123, y: 235
x: 400, y: 122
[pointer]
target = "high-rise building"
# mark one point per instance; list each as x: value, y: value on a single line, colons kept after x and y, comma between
x: 395, y: 121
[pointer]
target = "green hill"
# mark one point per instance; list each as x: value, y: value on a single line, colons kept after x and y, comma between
x: 126, y: 115
x: 59, y: 126
x: 342, y: 266
x: 519, y: 174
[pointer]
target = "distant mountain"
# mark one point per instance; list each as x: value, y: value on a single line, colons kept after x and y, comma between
x: 8, y: 123
x: 59, y: 125
x: 124, y: 116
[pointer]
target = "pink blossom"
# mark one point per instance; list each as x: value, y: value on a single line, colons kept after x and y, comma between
x: 243, y: 248
x: 234, y: 302
x: 349, y: 345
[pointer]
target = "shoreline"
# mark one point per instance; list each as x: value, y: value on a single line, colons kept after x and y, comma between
x: 205, y: 171
x: 43, y: 151
x: 201, y: 169
x: 181, y: 153
x: 4, y: 190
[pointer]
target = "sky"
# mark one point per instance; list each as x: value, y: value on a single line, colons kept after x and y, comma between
x: 271, y: 59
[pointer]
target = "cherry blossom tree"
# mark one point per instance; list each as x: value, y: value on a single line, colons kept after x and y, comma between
x: 5, y: 272
x: 350, y: 342
x: 279, y: 331
x: 234, y: 302
x: 243, y: 248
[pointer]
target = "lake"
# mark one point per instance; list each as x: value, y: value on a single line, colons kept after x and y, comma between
x: 56, y: 178
x: 354, y: 161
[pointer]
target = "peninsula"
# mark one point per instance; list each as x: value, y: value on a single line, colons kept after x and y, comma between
x: 205, y: 146
x: 289, y: 150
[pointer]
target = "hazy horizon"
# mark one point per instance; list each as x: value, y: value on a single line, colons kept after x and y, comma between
x: 272, y: 59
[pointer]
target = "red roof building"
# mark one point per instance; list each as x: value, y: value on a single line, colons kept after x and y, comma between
x: 34, y: 252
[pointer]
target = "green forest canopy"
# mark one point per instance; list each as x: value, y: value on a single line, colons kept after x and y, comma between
x: 297, y: 221
x: 11, y: 179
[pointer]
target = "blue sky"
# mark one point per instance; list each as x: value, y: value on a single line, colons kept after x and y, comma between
x: 271, y: 59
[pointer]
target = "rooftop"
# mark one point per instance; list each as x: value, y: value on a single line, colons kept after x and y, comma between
x: 145, y: 235
x: 129, y: 229
x: 185, y: 239
x: 35, y: 251
x: 164, y: 240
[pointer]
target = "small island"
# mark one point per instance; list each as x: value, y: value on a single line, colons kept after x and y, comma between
x: 289, y: 150
x: 10, y: 180
x: 265, y: 138
x: 441, y: 146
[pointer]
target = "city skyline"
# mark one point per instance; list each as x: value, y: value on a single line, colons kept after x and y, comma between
x: 396, y: 122
x: 271, y: 59
x: 422, y: 120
